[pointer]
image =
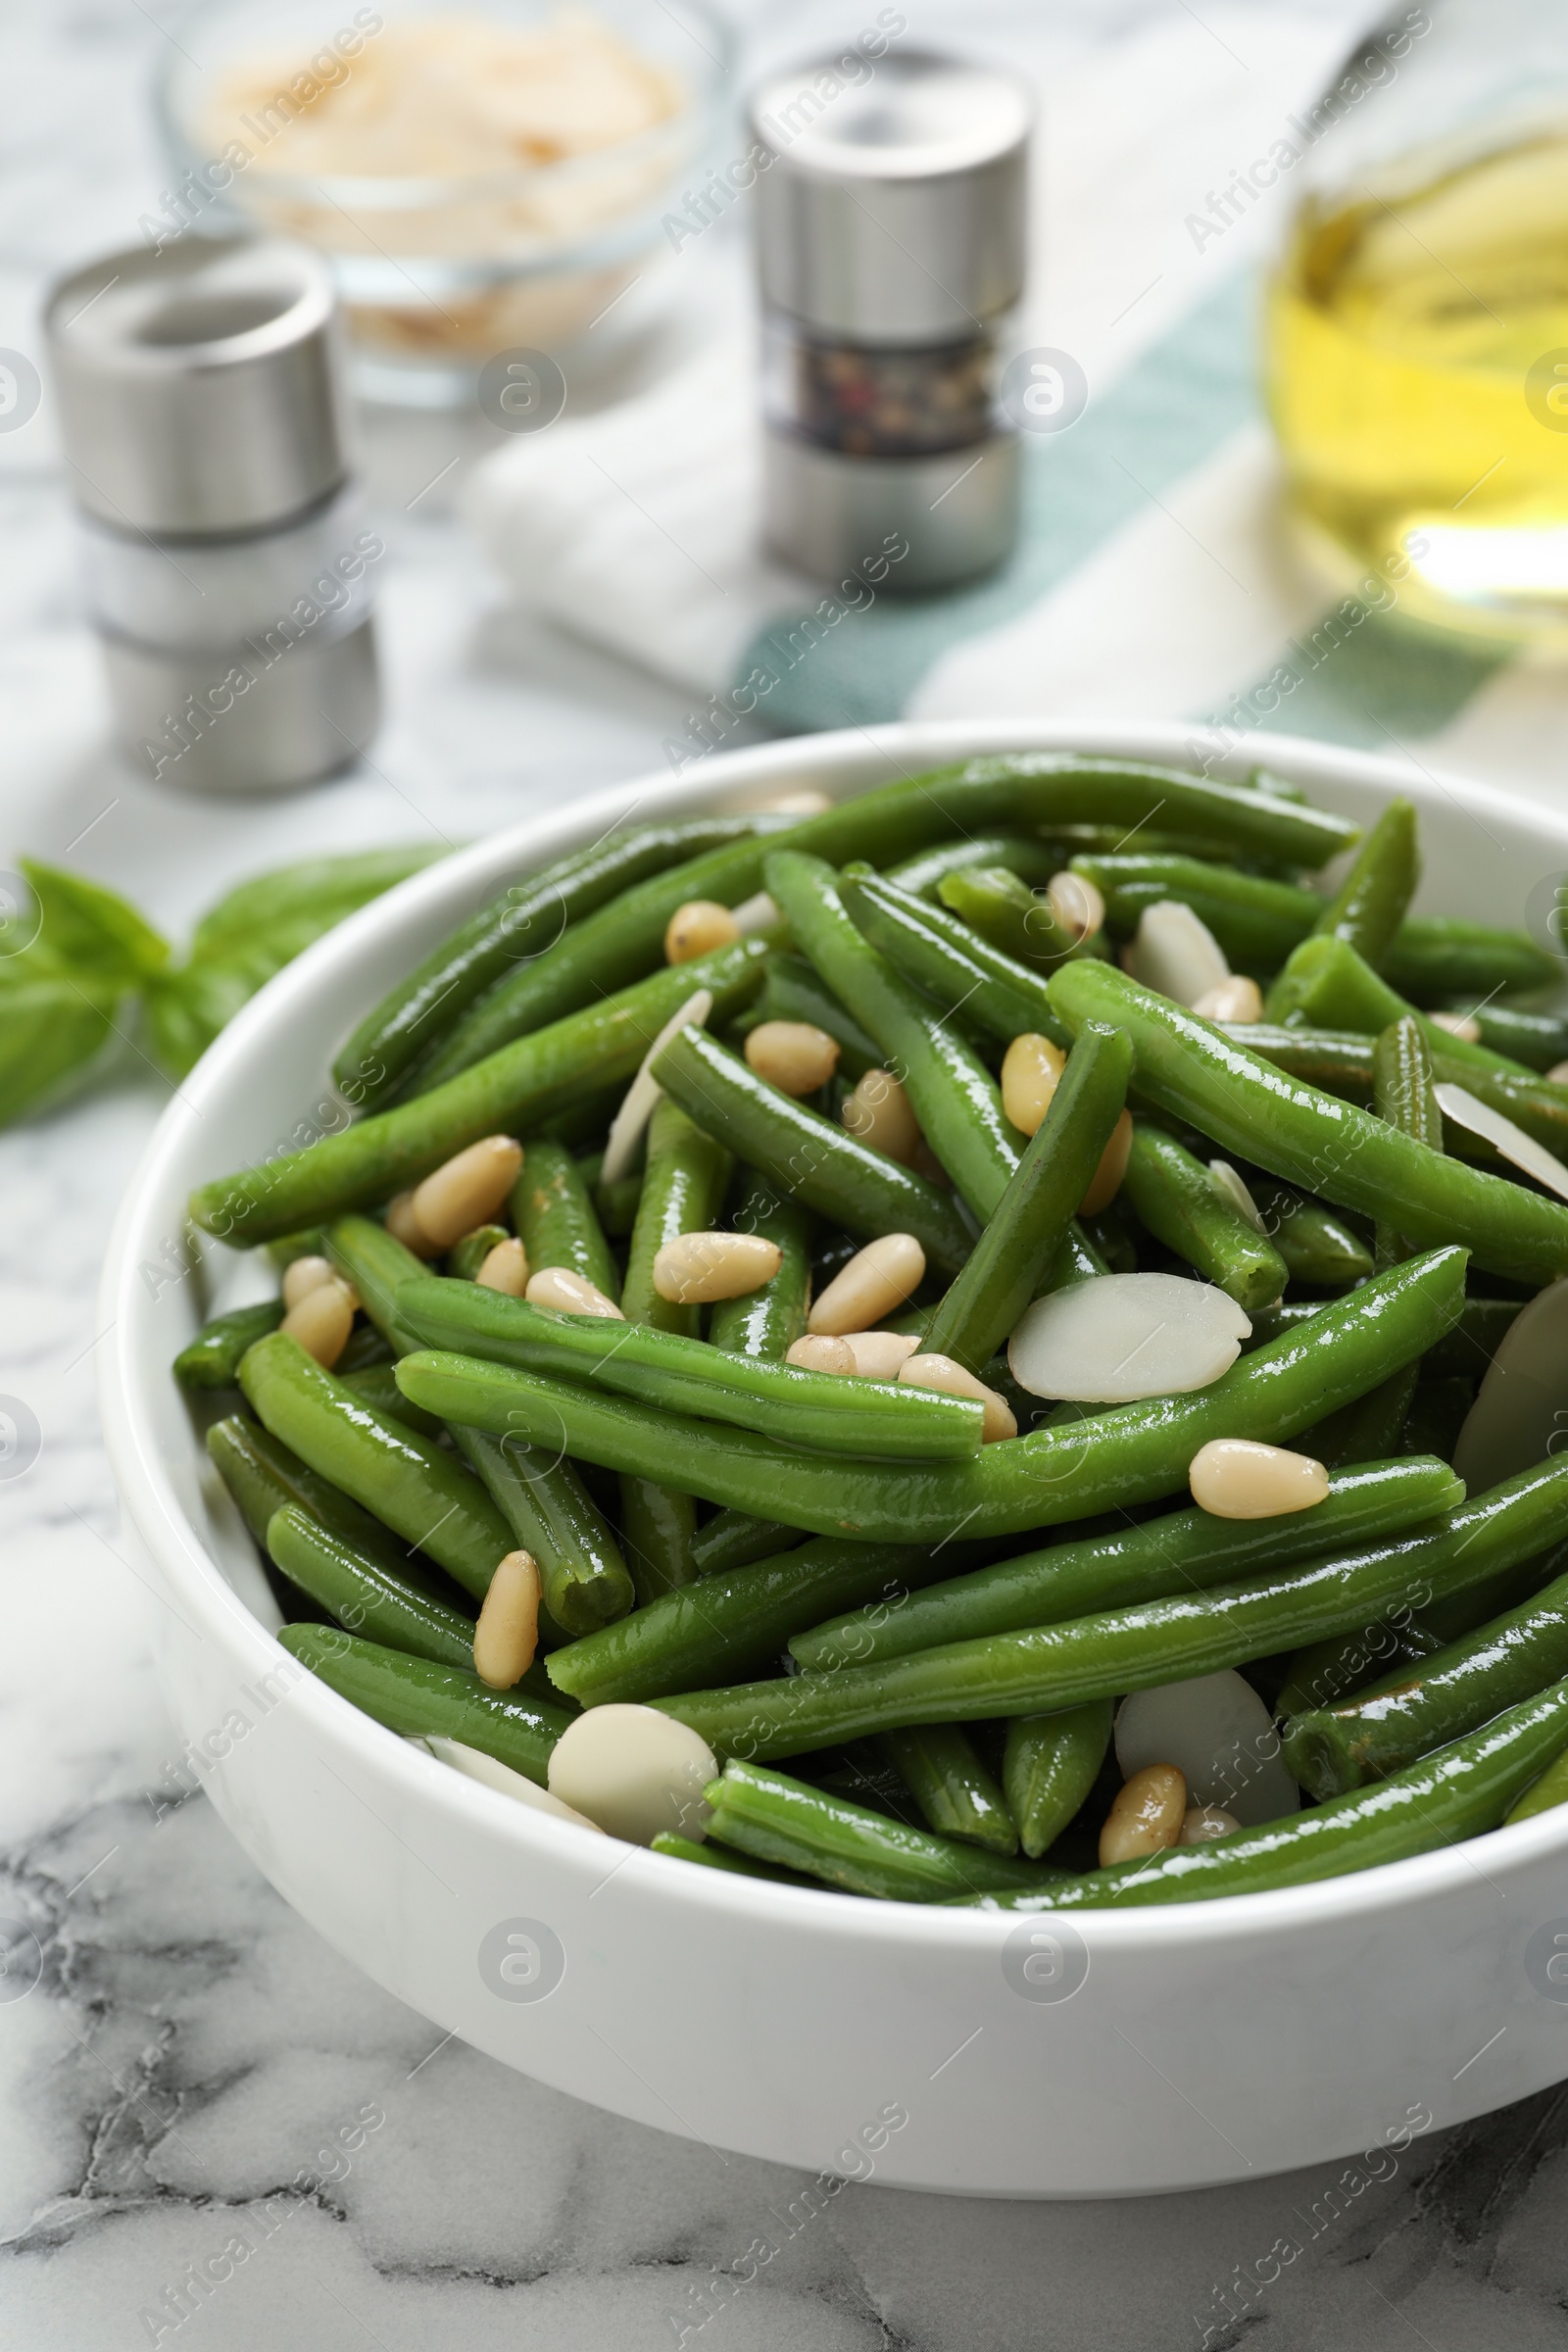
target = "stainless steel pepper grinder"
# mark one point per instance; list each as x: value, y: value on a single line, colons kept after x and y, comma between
x: 891, y: 245
x: 230, y: 570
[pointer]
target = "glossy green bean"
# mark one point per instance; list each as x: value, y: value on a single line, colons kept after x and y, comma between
x: 1538, y: 1040
x: 1031, y: 859
x: 1004, y: 910
x: 1128, y: 1454
x: 784, y: 1821
x: 377, y: 1388
x: 1371, y: 903
x: 1136, y: 1647
x: 1468, y: 1349
x: 1025, y: 1237
x: 404, y: 1479
x: 954, y: 965
x: 468, y: 1256
x: 264, y: 1476
x: 959, y: 1797
x: 1318, y: 1247
x: 1403, y: 1096
x: 211, y: 1361
x: 734, y: 1540
x: 1368, y: 1430
x: 1329, y: 986
x: 1542, y: 1795
x: 683, y: 1190
x: 1458, y: 1791
x: 1341, y: 1062
x: 1256, y: 922
x: 422, y: 1697
x: 377, y: 1263
x: 658, y: 1529
x: 663, y: 1368
x: 954, y: 1095
x: 1049, y: 1767
x: 1194, y: 1071
x: 556, y: 1220
x: 359, y: 1165
x: 1180, y: 1202
x: 805, y: 1155
x: 1408, y: 1713
x: 1435, y: 956
x: 515, y: 929
x: 583, y: 1574
x: 364, y: 1593
x: 792, y: 992
x: 768, y: 1322
x: 1182, y: 1551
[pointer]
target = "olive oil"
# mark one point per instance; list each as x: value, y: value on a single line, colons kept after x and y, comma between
x: 1417, y: 362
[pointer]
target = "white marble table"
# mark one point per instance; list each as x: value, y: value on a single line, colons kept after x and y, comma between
x: 168, y: 2085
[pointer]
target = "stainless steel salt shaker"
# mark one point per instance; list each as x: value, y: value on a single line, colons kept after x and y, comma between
x: 892, y: 249
x: 229, y: 569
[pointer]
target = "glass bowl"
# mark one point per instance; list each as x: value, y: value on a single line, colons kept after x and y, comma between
x: 442, y: 269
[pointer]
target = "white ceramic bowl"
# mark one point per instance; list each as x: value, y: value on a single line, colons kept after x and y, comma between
x: 925, y: 2048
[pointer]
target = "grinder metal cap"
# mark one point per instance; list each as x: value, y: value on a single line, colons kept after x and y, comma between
x: 893, y: 211
x: 199, y: 388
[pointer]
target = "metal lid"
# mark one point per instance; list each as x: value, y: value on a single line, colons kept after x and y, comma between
x: 199, y: 388
x: 893, y: 210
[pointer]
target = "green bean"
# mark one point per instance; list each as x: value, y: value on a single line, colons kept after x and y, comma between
x: 734, y: 1540
x: 364, y: 1593
x: 1006, y: 912
x: 1320, y: 1672
x: 1079, y: 1259
x: 615, y: 1206
x: 377, y: 1263
x: 582, y: 1576
x: 1033, y: 860
x: 1458, y: 1791
x: 422, y: 1697
x: 1106, y: 1237
x: 368, y: 1162
x: 1128, y: 1454
x: 211, y: 1361
x: 467, y: 1256
x: 1543, y: 1795
x: 805, y: 1155
x: 406, y: 1480
x: 308, y: 1242
x: 377, y: 1388
x: 1456, y: 1690
x: 1194, y: 1071
x: 1435, y: 956
x: 658, y: 1528
x: 953, y: 1094
x: 1538, y: 1040
x: 954, y: 1789
x: 683, y: 1189
x: 1094, y: 1573
x: 1469, y: 1348
x: 783, y: 1821
x: 818, y: 1409
x: 1317, y: 1247
x: 1182, y: 1205
x: 365, y: 1349
x: 1328, y: 985
x: 1025, y: 1237
x: 1341, y: 1062
x: 515, y: 929
x: 554, y: 1213
x: 1138, y: 1647
x: 950, y: 962
x: 1403, y: 1096
x: 1370, y: 904
x: 721, y: 1857
x: 1369, y: 1429
x: 792, y: 992
x: 263, y: 1475
x: 1050, y: 1765
x: 768, y: 1322
x: 1256, y: 922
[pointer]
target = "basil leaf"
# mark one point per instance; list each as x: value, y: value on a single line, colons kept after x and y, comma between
x: 52, y: 1028
x: 252, y: 933
x: 90, y: 931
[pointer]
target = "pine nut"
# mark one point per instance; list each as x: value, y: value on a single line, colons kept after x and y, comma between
x: 323, y: 1320
x: 1146, y: 1816
x: 304, y: 1275
x: 505, y: 1268
x: 1106, y: 1180
x: 1557, y: 1075
x: 819, y: 1353
x: 941, y: 1372
x: 1031, y: 1070
x: 1204, y: 1822
x: 507, y: 1631
x: 1076, y: 902
x: 467, y: 1190
x: 404, y: 1226
x: 1458, y: 1024
x: 880, y: 1354
x: 1236, y: 999
x: 697, y: 929
x: 695, y: 1267
x: 880, y: 1113
x: 794, y: 1055
x: 875, y: 1283
x: 570, y: 1294
x: 1235, y: 1477
x: 800, y: 801
x: 635, y: 1772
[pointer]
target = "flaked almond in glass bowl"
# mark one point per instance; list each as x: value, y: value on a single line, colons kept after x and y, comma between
x: 483, y: 178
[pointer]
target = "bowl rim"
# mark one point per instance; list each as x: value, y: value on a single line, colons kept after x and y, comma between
x: 738, y: 778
